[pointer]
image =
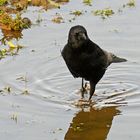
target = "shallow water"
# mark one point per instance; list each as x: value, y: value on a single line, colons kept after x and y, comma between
x: 48, y: 111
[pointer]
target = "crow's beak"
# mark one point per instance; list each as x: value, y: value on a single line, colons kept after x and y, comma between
x: 82, y: 36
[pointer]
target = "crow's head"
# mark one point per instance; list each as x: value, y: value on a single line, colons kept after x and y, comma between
x: 77, y: 36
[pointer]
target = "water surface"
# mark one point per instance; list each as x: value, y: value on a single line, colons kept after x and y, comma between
x: 47, y: 112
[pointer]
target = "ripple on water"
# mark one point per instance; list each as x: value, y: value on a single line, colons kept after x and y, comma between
x: 59, y: 87
x: 117, y: 93
x: 56, y: 89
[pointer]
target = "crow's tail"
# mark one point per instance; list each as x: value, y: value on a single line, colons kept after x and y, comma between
x: 116, y: 59
x: 111, y: 58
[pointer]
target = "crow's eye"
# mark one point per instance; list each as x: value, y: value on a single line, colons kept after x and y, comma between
x: 76, y: 34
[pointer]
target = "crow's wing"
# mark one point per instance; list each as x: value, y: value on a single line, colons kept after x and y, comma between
x: 65, y: 54
x: 75, y: 75
x: 99, y: 59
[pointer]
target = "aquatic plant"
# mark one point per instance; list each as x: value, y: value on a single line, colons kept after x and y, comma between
x: 2, y: 53
x: 1, y: 11
x: 12, y: 25
x: 46, y: 4
x: 11, y: 50
x: 57, y: 5
x: 87, y: 2
x: 5, y: 19
x: 131, y: 3
x: 7, y: 22
x: 2, y: 2
x: 76, y: 13
x: 104, y: 12
x: 17, y: 23
x: 58, y: 19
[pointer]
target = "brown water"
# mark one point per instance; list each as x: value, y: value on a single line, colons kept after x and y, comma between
x: 47, y: 112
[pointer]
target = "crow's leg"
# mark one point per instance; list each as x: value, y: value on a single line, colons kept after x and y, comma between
x: 82, y: 85
x: 82, y: 89
x: 92, y: 89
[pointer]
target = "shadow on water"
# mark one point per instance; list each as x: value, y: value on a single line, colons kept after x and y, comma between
x: 92, y: 124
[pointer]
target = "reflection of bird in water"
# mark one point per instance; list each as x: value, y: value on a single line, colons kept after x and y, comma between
x: 93, y: 124
x: 86, y: 59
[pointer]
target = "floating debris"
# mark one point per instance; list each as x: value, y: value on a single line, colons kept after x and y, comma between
x: 58, y: 19
x: 22, y: 78
x: 7, y: 89
x: 14, y: 117
x: 57, y: 5
x: 77, y: 127
x: 25, y: 81
x: 11, y: 50
x: 11, y: 46
x: 25, y: 92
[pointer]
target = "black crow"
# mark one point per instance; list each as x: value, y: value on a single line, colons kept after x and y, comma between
x: 86, y: 59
